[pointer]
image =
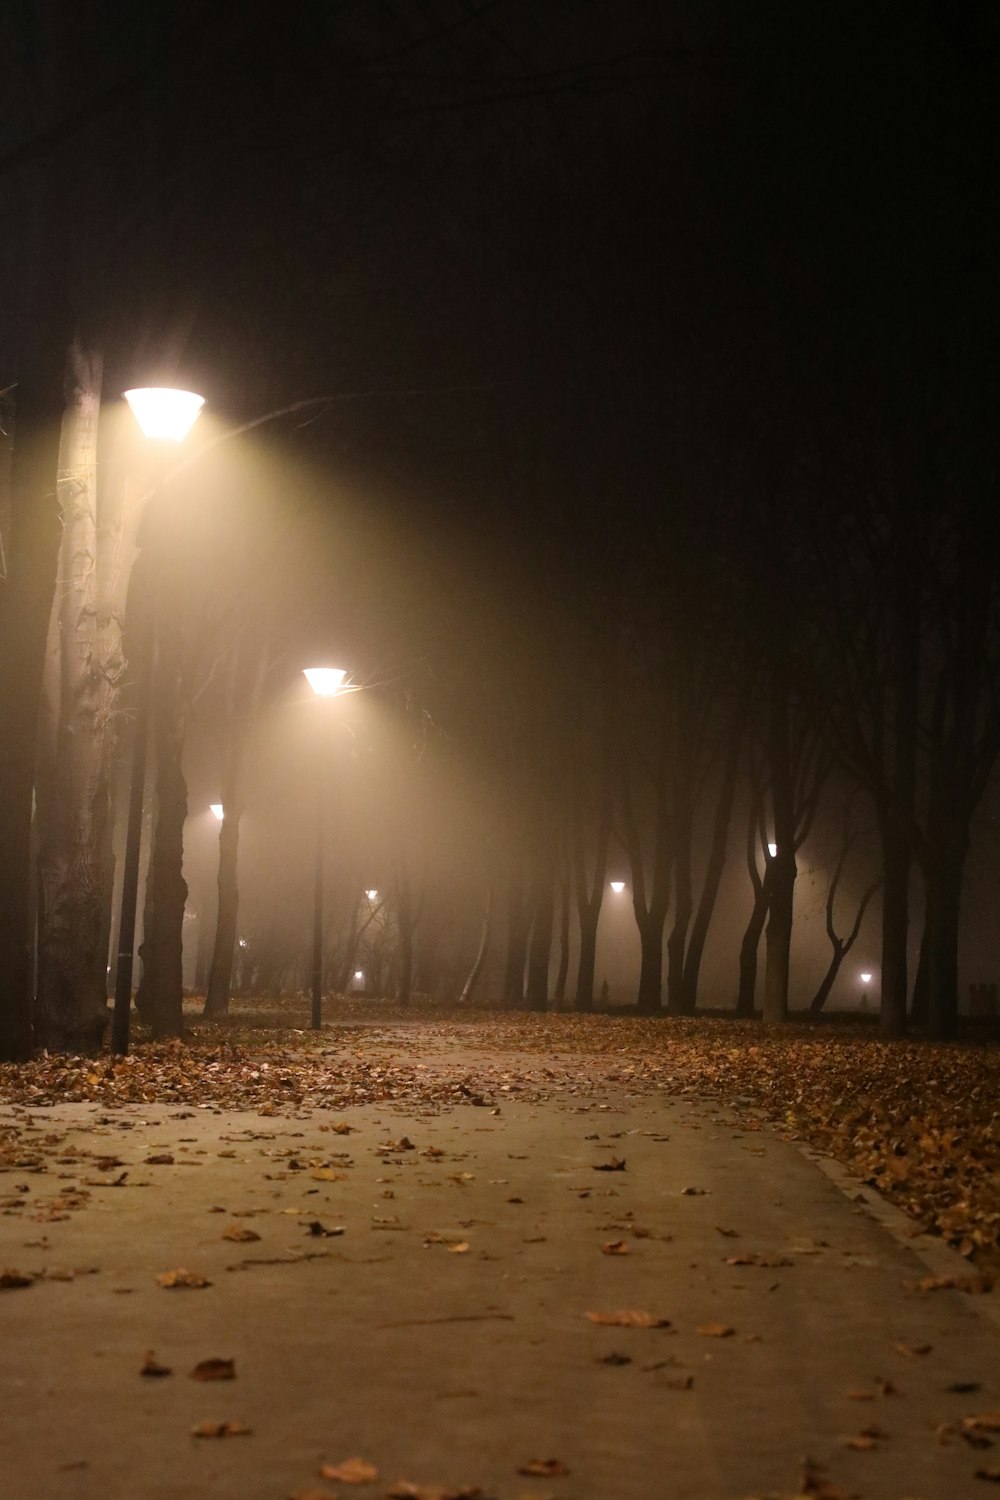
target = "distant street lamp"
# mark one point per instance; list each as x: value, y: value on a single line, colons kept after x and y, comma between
x: 866, y: 980
x: 772, y: 850
x: 217, y: 810
x: 372, y: 896
x: 617, y: 886
x: 163, y: 415
x: 326, y: 682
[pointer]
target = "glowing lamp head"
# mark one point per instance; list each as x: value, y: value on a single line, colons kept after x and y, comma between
x: 359, y: 973
x: 217, y: 810
x: 326, y: 682
x: 165, y: 414
x: 772, y: 850
x: 372, y: 895
x: 617, y: 886
x: 866, y: 979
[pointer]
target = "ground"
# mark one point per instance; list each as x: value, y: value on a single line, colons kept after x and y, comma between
x: 500, y: 1256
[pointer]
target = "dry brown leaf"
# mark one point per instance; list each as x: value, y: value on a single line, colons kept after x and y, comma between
x: 547, y: 1468
x: 992, y: 1476
x: 214, y: 1369
x: 240, y: 1233
x: 403, y: 1489
x: 913, y: 1351
x: 756, y: 1258
x: 986, y: 1421
x: 183, y: 1278
x: 614, y: 1247
x: 628, y: 1317
x: 458, y: 1249
x: 10, y: 1279
x: 616, y: 1164
x: 857, y: 1393
x: 151, y: 1367
x: 715, y: 1330
x: 163, y: 1159
x: 221, y: 1430
x: 350, y: 1471
x: 318, y: 1230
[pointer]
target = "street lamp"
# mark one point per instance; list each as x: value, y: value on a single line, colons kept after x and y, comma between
x: 866, y: 980
x: 217, y: 810
x: 772, y: 850
x: 372, y: 896
x: 167, y: 415
x: 326, y: 682
x: 617, y: 886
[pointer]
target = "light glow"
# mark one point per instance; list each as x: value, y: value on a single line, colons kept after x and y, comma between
x: 866, y: 979
x: 772, y: 850
x: 617, y: 886
x: 164, y: 414
x: 218, y: 810
x: 326, y: 682
x: 359, y: 973
x: 372, y: 895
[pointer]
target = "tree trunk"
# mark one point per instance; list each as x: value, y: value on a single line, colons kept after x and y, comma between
x: 475, y: 973
x: 517, y: 941
x: 406, y: 926
x: 159, y: 1000
x: 80, y: 690
x: 587, y: 959
x: 650, y: 996
x: 821, y: 996
x: 26, y: 606
x: 562, y: 974
x: 782, y: 871
x: 540, y: 947
x: 220, y: 974
x: 677, y: 995
x: 896, y: 855
x: 746, y: 999
x: 713, y: 872
x: 941, y: 941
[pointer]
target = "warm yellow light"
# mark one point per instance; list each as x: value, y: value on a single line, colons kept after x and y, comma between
x: 164, y: 413
x: 617, y: 886
x: 866, y: 979
x: 359, y: 973
x: 372, y: 895
x: 325, y: 682
x: 218, y: 809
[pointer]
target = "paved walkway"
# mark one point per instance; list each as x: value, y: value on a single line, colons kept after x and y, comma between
x: 461, y: 1327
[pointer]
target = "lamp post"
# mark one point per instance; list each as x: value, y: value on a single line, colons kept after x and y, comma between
x: 866, y: 980
x: 326, y: 682
x: 163, y: 415
x: 217, y: 810
x: 617, y: 886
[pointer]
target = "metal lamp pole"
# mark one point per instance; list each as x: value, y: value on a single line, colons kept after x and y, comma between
x: 326, y: 682
x: 166, y: 415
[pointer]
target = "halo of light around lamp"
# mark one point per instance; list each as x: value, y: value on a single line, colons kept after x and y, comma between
x: 325, y: 682
x: 866, y: 979
x: 617, y: 886
x: 217, y: 809
x: 164, y: 413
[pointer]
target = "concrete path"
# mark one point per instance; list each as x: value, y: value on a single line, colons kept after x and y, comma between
x: 444, y: 1335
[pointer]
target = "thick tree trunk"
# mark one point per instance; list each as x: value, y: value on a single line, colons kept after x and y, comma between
x: 84, y: 665
x: 746, y: 998
x: 159, y: 1000
x: 586, y: 959
x: 941, y: 941
x: 650, y: 997
x: 826, y: 984
x: 896, y: 857
x: 778, y: 939
x: 713, y: 872
x: 562, y: 973
x: 26, y: 605
x: 406, y: 927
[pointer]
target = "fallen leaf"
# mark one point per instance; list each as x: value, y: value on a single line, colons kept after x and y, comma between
x: 320, y: 1230
x: 9, y: 1279
x: 628, y: 1317
x: 911, y: 1351
x: 856, y: 1393
x: 755, y: 1258
x: 151, y: 1367
x: 350, y: 1471
x: 614, y: 1247
x: 214, y: 1369
x: 692, y: 1192
x: 715, y: 1330
x: 992, y: 1476
x: 164, y: 1159
x: 964, y: 1387
x: 730, y: 1234
x: 548, y: 1468
x: 681, y: 1383
x: 614, y: 1359
x: 616, y: 1164
x: 221, y: 1430
x: 183, y: 1278
x: 458, y: 1249
x: 240, y: 1233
